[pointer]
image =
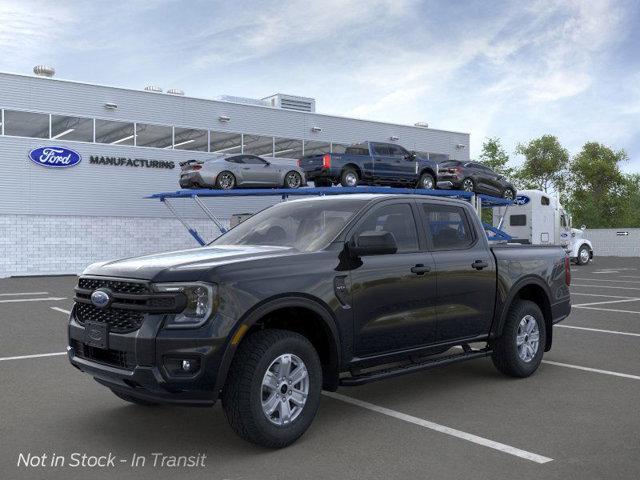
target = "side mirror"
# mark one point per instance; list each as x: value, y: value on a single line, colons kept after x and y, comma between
x: 373, y: 243
x: 410, y: 156
x: 583, y: 227
x: 267, y: 163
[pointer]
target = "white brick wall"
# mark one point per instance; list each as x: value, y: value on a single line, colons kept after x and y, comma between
x: 610, y: 242
x: 47, y: 245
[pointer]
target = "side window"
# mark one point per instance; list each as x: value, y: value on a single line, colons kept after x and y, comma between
x: 448, y: 227
x: 517, y: 220
x: 544, y: 200
x: 396, y: 219
x: 235, y: 159
x: 381, y: 149
x: 396, y: 151
x: 253, y: 160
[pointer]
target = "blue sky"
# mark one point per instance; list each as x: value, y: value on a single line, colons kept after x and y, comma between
x: 515, y: 69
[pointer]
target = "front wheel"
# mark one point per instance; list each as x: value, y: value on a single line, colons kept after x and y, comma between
x: 519, y: 349
x: 273, y: 388
x: 292, y: 180
x: 426, y: 181
x: 583, y: 255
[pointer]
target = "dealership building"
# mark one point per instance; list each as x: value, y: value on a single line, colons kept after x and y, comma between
x: 128, y: 144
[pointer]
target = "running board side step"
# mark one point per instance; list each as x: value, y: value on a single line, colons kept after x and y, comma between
x: 413, y: 367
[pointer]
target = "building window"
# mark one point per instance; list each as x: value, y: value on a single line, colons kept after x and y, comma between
x: 338, y: 147
x: 258, y: 145
x: 224, y: 142
x: 26, y: 124
x: 190, y: 139
x: 114, y: 133
x: 157, y: 136
x: 287, y: 148
x: 312, y: 147
x: 72, y: 128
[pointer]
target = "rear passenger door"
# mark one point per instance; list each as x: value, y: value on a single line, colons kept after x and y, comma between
x: 393, y: 295
x: 465, y: 271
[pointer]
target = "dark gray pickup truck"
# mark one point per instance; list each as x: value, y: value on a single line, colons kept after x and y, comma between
x: 312, y: 294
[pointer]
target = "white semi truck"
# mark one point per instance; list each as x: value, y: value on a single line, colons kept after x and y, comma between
x: 537, y: 218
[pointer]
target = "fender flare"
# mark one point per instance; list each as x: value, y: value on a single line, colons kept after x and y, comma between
x: 258, y: 311
x: 513, y: 293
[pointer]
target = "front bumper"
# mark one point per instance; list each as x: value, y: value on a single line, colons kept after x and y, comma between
x: 138, y: 363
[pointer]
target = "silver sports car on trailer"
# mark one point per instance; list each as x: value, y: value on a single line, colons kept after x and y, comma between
x: 241, y: 170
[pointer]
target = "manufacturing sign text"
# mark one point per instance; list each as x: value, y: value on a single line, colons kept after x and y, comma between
x: 130, y: 162
x: 56, y: 157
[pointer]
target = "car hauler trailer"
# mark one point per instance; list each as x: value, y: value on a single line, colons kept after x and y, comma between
x: 478, y: 201
x: 537, y: 218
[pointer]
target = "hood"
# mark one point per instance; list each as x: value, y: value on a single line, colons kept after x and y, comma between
x: 183, y: 265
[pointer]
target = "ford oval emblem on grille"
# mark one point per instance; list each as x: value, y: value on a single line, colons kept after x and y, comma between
x: 95, y: 334
x: 101, y: 298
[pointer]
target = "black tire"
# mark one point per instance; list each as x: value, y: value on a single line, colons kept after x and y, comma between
x: 468, y: 185
x: 242, y: 393
x: 322, y: 182
x: 427, y: 178
x: 221, y: 183
x: 345, y: 177
x: 509, y: 194
x: 579, y: 260
x: 298, y: 178
x: 505, y: 355
x: 130, y: 399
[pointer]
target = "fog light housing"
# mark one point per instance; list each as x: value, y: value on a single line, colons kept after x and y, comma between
x: 182, y: 367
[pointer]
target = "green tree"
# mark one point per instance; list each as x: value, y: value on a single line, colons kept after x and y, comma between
x: 631, y: 197
x: 599, y: 191
x: 495, y: 157
x: 545, y: 165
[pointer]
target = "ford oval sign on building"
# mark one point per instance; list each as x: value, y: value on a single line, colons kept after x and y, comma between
x: 56, y: 157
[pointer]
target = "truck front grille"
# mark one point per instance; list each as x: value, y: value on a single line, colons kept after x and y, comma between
x: 114, y: 358
x: 116, y: 286
x: 118, y: 319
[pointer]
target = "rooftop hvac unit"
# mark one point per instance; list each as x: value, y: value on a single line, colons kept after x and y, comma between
x: 244, y: 100
x: 292, y: 102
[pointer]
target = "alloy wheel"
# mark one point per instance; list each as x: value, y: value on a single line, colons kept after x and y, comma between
x: 584, y: 255
x: 293, y: 180
x: 285, y: 388
x: 351, y: 179
x: 528, y: 338
x: 427, y: 183
x: 508, y: 194
x: 467, y: 185
x: 226, y: 181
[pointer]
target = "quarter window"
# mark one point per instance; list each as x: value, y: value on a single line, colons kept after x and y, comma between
x: 396, y: 219
x: 448, y: 227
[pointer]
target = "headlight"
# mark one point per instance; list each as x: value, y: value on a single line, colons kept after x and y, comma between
x: 201, y: 301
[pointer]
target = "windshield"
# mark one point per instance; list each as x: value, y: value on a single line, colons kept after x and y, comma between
x: 304, y: 225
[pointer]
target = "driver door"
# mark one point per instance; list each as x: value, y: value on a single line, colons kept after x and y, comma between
x: 258, y: 171
x: 393, y: 301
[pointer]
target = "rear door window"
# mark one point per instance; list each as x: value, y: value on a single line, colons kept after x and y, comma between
x: 448, y: 227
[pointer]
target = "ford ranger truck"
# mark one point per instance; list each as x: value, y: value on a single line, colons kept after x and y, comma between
x: 315, y: 294
x: 371, y: 163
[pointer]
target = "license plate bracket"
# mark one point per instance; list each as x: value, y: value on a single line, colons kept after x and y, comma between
x: 97, y: 335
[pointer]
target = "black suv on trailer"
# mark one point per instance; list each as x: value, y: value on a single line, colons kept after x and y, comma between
x: 313, y: 294
x: 474, y: 177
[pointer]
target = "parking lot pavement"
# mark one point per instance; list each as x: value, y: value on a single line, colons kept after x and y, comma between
x: 465, y: 420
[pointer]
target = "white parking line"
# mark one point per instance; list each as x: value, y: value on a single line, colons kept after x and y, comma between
x: 607, y: 286
x: 607, y: 309
x: 595, y: 370
x: 22, y: 357
x: 61, y: 310
x: 22, y: 293
x: 16, y: 300
x: 598, y: 295
x: 599, y: 330
x: 441, y: 428
x: 608, y: 301
x: 604, y: 280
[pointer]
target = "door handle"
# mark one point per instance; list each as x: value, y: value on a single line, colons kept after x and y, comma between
x: 420, y: 269
x: 246, y: 168
x: 479, y: 264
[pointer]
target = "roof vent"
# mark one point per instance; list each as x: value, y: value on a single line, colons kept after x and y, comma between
x: 175, y: 91
x: 153, y: 88
x: 44, y: 71
x: 422, y: 124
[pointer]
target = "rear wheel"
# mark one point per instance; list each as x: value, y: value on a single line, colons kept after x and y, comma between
x: 583, y: 255
x: 518, y: 351
x: 426, y: 181
x: 225, y: 181
x: 349, y: 178
x: 273, y: 388
x: 292, y: 179
x: 468, y: 185
x: 130, y: 399
x: 508, y: 194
